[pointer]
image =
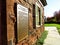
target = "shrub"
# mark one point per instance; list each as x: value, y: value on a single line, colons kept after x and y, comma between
x: 40, y: 41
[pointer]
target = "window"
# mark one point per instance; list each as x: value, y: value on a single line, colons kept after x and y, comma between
x: 38, y: 16
x: 22, y: 22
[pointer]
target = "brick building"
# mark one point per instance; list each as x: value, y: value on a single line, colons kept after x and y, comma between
x: 21, y: 21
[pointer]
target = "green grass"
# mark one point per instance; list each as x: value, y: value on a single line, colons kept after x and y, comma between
x: 55, y: 25
x: 40, y: 41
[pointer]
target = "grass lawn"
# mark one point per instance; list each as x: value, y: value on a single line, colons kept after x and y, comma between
x: 40, y: 41
x: 56, y: 25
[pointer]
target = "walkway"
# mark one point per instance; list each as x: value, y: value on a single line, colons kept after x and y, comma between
x: 53, y: 38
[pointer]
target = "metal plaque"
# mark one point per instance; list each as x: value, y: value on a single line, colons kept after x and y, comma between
x: 22, y: 22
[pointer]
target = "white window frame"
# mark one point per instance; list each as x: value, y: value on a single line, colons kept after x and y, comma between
x: 37, y: 4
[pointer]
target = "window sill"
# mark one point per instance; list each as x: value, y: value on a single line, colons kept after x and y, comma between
x: 37, y: 25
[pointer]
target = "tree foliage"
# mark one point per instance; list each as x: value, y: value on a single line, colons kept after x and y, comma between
x: 57, y: 15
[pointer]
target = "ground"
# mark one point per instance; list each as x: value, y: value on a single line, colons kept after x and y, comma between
x: 53, y: 37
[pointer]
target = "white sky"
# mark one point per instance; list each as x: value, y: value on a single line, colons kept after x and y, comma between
x: 51, y: 7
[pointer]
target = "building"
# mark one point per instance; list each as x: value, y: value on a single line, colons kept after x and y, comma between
x: 21, y: 21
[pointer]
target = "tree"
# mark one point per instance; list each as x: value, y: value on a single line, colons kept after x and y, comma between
x: 57, y: 15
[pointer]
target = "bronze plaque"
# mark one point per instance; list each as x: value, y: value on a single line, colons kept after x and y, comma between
x: 22, y: 22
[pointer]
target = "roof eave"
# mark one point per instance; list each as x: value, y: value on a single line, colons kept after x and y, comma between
x: 44, y: 2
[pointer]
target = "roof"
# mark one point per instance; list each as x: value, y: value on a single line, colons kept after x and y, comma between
x: 44, y: 2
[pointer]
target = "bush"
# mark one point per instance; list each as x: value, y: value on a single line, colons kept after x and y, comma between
x: 40, y: 41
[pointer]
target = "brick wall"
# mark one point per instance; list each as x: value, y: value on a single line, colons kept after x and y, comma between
x: 11, y: 19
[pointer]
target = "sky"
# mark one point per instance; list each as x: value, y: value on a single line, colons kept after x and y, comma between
x: 51, y: 7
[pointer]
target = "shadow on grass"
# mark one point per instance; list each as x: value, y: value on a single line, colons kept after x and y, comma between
x: 40, y: 41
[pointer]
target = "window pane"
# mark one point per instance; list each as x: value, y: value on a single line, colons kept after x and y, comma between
x: 37, y: 16
x: 34, y: 17
x: 22, y: 22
